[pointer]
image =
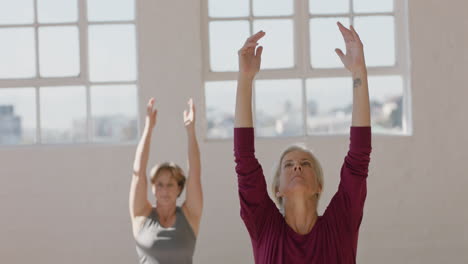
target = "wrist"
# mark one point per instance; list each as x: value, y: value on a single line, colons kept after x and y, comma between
x: 359, y: 72
x: 148, y: 128
x: 190, y: 129
x: 242, y: 77
x: 191, y: 133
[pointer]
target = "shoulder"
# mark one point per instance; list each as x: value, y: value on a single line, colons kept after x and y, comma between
x: 139, y: 221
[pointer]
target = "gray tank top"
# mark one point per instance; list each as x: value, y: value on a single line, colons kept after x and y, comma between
x: 156, y: 244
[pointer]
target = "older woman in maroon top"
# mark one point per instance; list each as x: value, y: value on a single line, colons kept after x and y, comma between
x: 300, y: 235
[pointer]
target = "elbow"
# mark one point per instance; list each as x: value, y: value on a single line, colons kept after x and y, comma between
x: 138, y: 175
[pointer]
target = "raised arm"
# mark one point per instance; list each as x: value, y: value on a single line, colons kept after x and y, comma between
x: 257, y: 208
x: 346, y: 207
x: 194, y: 199
x: 354, y: 61
x: 249, y: 65
x: 138, y: 200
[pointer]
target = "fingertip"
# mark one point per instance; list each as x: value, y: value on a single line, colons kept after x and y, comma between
x: 259, y: 50
x: 339, y: 52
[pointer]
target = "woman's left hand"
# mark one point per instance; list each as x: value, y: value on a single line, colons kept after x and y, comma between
x: 189, y: 115
x: 353, y: 60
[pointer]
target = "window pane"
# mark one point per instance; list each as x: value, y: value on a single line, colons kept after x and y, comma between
x: 111, y: 10
x: 329, y: 105
x: 16, y: 12
x: 59, y: 51
x: 112, y: 53
x: 362, y: 6
x: 114, y: 113
x: 228, y: 8
x: 378, y: 36
x: 278, y: 47
x: 325, y: 37
x: 220, y: 99
x: 17, y: 54
x: 63, y: 114
x: 320, y: 7
x: 278, y: 108
x: 226, y: 38
x: 273, y: 7
x: 17, y: 116
x: 57, y: 11
x: 386, y: 97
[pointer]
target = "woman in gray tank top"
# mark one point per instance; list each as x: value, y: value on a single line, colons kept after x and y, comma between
x: 166, y: 233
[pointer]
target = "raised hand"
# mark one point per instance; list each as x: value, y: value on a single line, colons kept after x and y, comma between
x: 250, y: 56
x: 151, y: 114
x: 189, y: 115
x: 353, y: 60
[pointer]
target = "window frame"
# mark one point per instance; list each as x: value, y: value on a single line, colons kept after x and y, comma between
x: 82, y: 79
x: 302, y: 67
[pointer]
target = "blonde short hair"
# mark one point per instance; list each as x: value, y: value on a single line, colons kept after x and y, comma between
x: 317, y: 169
x: 176, y: 172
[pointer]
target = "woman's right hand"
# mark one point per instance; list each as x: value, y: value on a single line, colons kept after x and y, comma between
x: 250, y: 56
x: 151, y: 114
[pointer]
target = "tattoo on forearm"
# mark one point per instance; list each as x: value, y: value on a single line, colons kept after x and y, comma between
x: 356, y: 83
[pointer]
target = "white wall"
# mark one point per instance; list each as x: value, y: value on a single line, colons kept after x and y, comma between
x: 69, y: 204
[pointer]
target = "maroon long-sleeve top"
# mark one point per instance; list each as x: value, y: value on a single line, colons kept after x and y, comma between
x: 334, y: 237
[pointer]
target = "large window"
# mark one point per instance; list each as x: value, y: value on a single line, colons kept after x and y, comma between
x: 68, y: 72
x: 302, y: 88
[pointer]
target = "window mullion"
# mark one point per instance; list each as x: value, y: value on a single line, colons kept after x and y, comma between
x: 38, y: 117
x: 36, y: 38
x: 301, y: 25
x: 36, y: 89
x: 251, y: 17
x: 304, y: 107
x: 303, y: 53
x: 83, y: 39
x: 84, y: 67
x: 403, y: 62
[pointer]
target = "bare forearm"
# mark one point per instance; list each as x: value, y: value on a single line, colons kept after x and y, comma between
x: 142, y: 152
x: 193, y: 154
x: 243, y: 115
x: 361, y: 106
x: 194, y: 198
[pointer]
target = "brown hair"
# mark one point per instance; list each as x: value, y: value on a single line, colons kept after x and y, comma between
x: 176, y: 172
